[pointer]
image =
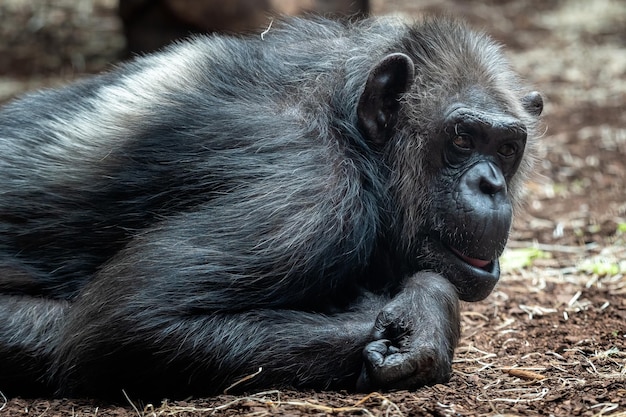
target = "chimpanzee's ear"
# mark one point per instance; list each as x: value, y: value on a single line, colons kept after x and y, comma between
x: 378, y: 106
x: 533, y: 103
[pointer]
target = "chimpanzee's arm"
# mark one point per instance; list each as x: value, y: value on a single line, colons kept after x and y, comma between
x: 149, y: 353
x: 400, y: 343
x: 414, y: 336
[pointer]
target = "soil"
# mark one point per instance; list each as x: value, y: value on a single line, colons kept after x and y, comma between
x: 551, y: 340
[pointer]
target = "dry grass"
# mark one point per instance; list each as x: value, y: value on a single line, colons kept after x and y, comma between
x: 270, y: 402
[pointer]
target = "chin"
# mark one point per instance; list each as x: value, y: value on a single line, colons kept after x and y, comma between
x: 473, y: 278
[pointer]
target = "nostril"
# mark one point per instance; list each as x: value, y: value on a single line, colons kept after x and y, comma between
x: 483, y: 179
x: 492, y: 182
x: 489, y: 187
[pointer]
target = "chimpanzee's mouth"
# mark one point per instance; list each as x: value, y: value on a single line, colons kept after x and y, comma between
x: 485, y: 265
x: 474, y: 278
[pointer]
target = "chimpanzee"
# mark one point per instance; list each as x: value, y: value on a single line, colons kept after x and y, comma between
x: 304, y: 208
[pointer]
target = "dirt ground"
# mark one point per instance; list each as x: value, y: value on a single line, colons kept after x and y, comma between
x: 551, y: 340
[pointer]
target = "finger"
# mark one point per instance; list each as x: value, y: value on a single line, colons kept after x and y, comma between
x: 375, y: 352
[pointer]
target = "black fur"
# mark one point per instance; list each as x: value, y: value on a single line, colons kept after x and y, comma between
x: 274, y: 202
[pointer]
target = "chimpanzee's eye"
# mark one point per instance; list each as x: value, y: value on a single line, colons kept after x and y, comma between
x: 507, y: 150
x: 463, y: 142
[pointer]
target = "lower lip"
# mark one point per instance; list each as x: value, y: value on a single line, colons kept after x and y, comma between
x: 476, y: 263
x: 473, y: 283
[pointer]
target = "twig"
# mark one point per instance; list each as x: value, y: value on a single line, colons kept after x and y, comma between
x: 524, y: 398
x: 244, y: 379
x: 266, y: 31
x: 554, y: 248
x: 4, y: 400
x: 131, y: 403
x: 525, y: 374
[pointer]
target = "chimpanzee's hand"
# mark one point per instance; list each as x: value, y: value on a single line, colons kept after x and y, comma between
x: 414, y: 337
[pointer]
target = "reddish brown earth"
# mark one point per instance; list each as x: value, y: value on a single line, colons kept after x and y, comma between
x: 551, y: 340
